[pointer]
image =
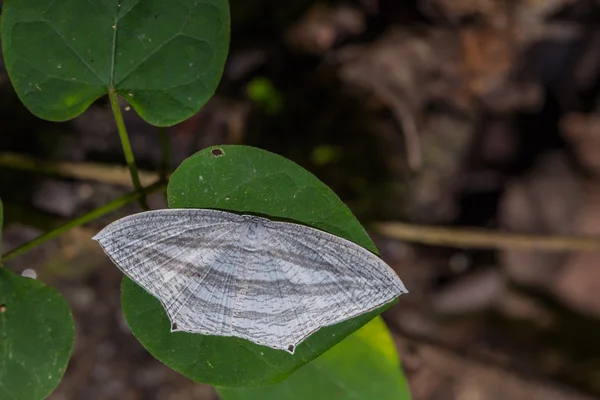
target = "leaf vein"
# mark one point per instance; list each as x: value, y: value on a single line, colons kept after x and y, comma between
x: 74, y: 51
x: 153, y: 52
x: 128, y: 11
x: 156, y: 50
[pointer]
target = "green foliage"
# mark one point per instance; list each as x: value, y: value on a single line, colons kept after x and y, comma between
x: 166, y: 60
x: 36, y: 337
x: 165, y: 57
x: 364, y: 366
x: 249, y: 180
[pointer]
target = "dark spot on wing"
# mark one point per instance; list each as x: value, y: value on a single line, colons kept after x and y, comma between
x: 174, y: 327
x: 291, y: 348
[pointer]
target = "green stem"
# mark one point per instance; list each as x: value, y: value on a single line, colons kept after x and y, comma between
x: 114, y: 102
x: 97, y: 213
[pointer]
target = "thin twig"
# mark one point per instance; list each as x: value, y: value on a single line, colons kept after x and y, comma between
x: 480, y: 238
x: 114, y: 102
x: 110, y: 174
x: 97, y: 213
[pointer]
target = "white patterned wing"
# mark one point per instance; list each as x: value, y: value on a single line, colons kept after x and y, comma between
x: 180, y: 256
x: 304, y: 279
x: 273, y: 283
x: 268, y: 308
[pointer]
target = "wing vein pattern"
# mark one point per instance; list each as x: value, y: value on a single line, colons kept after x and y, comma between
x: 272, y: 283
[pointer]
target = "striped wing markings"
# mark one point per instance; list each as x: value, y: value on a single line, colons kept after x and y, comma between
x: 378, y: 267
x: 208, y: 261
x: 120, y: 232
x: 323, y: 315
x: 327, y: 247
x: 298, y: 258
x: 162, y: 219
x: 147, y: 254
x: 209, y: 269
x: 249, y: 314
x: 227, y: 292
x: 302, y: 320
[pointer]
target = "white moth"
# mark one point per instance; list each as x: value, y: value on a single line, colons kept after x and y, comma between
x: 273, y: 283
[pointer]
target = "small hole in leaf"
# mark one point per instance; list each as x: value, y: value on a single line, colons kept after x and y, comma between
x: 217, y: 152
x: 174, y: 327
x: 2, y: 308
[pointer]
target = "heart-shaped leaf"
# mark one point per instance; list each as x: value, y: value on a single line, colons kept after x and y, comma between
x: 243, y: 179
x: 36, y: 337
x: 363, y: 366
x: 165, y: 57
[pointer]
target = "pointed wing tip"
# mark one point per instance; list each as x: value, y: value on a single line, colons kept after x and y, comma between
x: 403, y: 290
x: 398, y: 286
x: 98, y: 237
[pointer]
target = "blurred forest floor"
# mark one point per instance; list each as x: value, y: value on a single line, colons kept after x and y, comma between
x: 478, y: 113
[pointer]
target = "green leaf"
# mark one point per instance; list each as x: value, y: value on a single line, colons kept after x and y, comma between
x: 165, y: 57
x: 243, y: 179
x: 36, y: 337
x: 364, y: 366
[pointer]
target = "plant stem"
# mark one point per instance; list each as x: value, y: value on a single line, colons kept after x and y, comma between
x: 114, y: 102
x: 97, y: 213
x: 480, y: 238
